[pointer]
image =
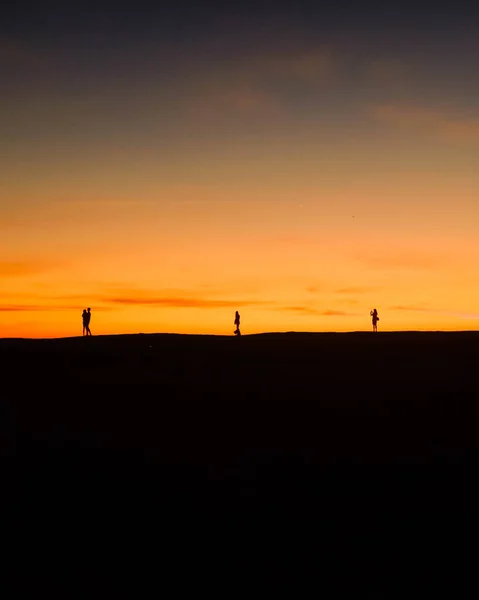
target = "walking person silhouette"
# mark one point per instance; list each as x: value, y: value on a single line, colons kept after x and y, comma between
x: 374, y: 315
x: 88, y: 318
x: 237, y: 323
x: 84, y: 317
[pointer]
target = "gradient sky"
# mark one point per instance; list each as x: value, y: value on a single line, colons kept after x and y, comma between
x: 301, y: 162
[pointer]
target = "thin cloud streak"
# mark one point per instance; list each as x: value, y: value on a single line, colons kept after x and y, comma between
x: 357, y: 290
x: 446, y: 127
x: 239, y: 99
x: 243, y: 89
x: 16, y: 54
x: 413, y: 308
x: 447, y: 312
x: 23, y: 268
x: 179, y: 302
x: 306, y: 310
x: 309, y: 66
x: 47, y: 308
x: 338, y: 313
x: 404, y: 260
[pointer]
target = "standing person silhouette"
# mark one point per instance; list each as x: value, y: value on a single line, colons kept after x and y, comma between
x: 374, y: 315
x: 84, y: 317
x: 88, y: 318
x: 237, y: 323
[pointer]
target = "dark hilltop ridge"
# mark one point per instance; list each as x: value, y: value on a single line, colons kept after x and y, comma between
x: 145, y: 461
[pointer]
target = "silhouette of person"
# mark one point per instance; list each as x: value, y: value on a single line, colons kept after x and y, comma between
x: 374, y: 315
x: 84, y: 317
x: 88, y: 318
x: 237, y: 323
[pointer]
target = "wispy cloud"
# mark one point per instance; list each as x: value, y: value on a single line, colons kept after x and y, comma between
x: 313, y: 289
x: 303, y: 310
x: 116, y: 296
x: 413, y: 308
x: 390, y: 74
x: 365, y: 289
x: 47, y: 307
x: 310, y: 66
x: 247, y: 87
x: 402, y: 259
x: 443, y: 125
x: 348, y: 301
x: 465, y: 315
x: 247, y: 99
x: 238, y: 99
x: 307, y: 310
x: 15, y: 53
x: 23, y: 268
x: 21, y: 307
x: 426, y: 308
x: 181, y: 302
x: 338, y: 313
x: 107, y: 202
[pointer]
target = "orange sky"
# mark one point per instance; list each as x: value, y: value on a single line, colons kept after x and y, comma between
x: 299, y: 186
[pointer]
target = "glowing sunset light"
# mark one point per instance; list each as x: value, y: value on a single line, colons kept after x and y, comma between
x: 180, y: 168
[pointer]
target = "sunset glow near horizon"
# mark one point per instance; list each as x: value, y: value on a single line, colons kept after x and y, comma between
x: 301, y: 166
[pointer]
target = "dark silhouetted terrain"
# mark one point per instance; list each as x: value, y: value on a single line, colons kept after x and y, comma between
x: 344, y: 462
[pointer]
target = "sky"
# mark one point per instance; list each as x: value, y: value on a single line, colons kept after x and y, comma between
x: 300, y: 162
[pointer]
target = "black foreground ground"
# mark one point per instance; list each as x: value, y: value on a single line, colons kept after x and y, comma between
x: 168, y: 463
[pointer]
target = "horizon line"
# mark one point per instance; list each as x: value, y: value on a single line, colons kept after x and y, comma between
x: 220, y: 335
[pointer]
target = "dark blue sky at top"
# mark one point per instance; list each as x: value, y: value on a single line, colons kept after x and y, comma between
x: 59, y: 48
x: 181, y: 25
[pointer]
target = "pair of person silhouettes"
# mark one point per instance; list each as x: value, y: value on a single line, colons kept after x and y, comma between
x: 237, y: 323
x: 375, y: 319
x: 86, y: 317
